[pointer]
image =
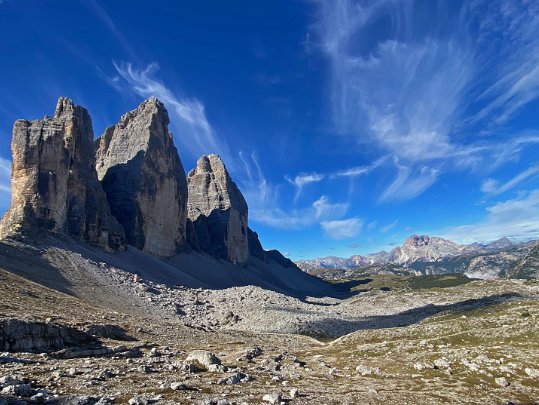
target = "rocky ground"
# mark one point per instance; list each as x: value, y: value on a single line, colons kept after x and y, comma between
x: 386, y: 342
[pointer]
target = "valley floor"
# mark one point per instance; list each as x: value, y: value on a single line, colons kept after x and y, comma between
x: 475, y: 343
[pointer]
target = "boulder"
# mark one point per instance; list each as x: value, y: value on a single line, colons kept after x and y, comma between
x: 217, y: 211
x: 273, y: 398
x: 144, y: 179
x: 204, y: 358
x: 18, y: 335
x: 54, y: 184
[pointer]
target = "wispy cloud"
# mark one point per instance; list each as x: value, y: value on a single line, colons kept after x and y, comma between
x: 412, y: 92
x: 493, y: 186
x: 260, y: 194
x: 342, y: 229
x: 385, y: 94
x: 320, y: 210
x: 5, y: 184
x: 515, y: 218
x: 302, y: 179
x: 358, y: 170
x: 508, y: 33
x: 106, y: 20
x: 388, y: 227
x: 353, y: 171
x: 372, y: 225
x: 263, y: 200
x: 409, y: 182
x: 196, y: 134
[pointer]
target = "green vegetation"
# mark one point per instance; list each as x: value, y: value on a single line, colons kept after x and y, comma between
x: 400, y: 283
x: 440, y: 281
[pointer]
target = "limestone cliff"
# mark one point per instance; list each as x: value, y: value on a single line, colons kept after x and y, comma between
x: 54, y: 182
x: 217, y: 212
x: 144, y: 179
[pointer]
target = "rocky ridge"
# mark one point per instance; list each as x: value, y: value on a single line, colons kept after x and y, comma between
x: 421, y: 254
x: 416, y: 248
x: 127, y: 188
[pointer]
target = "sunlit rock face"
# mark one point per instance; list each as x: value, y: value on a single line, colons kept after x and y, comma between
x: 217, y: 212
x: 54, y: 182
x: 144, y: 179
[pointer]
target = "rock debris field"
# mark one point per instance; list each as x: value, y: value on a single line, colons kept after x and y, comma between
x: 155, y: 343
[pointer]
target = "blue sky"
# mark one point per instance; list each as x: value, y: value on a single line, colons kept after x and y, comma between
x: 348, y: 125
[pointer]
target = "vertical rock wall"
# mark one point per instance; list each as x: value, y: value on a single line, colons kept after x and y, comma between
x: 218, y: 212
x: 129, y: 187
x: 144, y: 179
x: 54, y: 182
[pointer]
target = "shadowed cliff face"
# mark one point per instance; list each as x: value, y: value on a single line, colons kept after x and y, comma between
x: 126, y: 188
x: 217, y: 211
x: 54, y: 182
x: 144, y: 179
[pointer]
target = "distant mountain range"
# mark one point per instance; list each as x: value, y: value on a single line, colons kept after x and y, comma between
x: 422, y: 254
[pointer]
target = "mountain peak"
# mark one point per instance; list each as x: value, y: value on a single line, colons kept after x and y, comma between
x: 417, y: 240
x: 144, y: 179
x: 64, y: 106
x: 501, y: 243
x: 218, y: 211
x: 54, y: 182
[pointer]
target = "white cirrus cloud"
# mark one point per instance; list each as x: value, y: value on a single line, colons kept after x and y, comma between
x: 342, y: 229
x: 508, y: 36
x: 409, y: 183
x: 320, y: 210
x: 195, y: 133
x: 390, y: 226
x: 259, y: 193
x: 353, y: 171
x: 263, y: 199
x: 412, y: 88
x: 493, y: 186
x: 302, y: 179
x: 109, y: 23
x: 516, y: 218
x: 359, y: 170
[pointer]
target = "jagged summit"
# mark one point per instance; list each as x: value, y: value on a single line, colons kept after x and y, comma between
x: 144, y: 179
x: 132, y: 134
x: 416, y: 248
x: 417, y: 240
x: 217, y: 211
x: 54, y: 182
x: 424, y: 248
x: 127, y: 188
x: 223, y: 194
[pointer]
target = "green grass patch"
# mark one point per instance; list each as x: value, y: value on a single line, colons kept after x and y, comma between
x: 400, y: 283
x: 438, y: 281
